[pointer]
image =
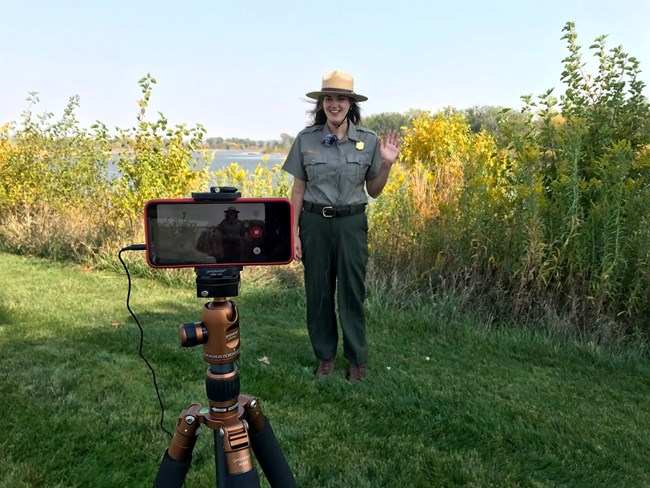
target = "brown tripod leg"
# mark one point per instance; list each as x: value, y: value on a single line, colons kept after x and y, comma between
x: 187, y: 432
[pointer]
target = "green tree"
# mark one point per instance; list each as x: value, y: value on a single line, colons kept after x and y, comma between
x: 286, y: 141
x: 386, y: 121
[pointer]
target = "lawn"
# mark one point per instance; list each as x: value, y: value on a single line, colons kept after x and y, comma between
x: 447, y: 402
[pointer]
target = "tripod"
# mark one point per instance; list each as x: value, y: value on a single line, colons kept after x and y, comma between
x: 235, y: 418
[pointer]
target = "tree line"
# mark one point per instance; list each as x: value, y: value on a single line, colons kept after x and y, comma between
x: 237, y: 144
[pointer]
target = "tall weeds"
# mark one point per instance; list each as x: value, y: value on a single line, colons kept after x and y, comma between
x: 548, y: 223
x: 56, y: 196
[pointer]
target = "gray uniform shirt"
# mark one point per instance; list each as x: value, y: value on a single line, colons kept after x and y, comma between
x: 336, y: 174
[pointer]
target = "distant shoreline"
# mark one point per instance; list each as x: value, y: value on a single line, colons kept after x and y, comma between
x: 252, y: 152
x: 235, y: 151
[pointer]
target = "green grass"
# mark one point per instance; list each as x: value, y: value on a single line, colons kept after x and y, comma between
x: 446, y: 403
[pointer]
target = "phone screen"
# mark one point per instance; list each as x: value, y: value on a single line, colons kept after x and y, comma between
x: 242, y: 232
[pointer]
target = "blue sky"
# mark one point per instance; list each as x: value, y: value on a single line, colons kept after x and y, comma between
x: 241, y: 67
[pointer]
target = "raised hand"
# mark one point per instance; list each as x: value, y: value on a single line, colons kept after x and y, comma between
x: 389, y: 146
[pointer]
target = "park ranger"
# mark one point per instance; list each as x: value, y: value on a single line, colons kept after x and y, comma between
x: 336, y: 164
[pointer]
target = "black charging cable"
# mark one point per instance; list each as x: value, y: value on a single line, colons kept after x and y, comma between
x: 142, y: 247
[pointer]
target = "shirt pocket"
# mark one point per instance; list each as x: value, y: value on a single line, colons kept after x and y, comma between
x: 314, y: 165
x: 357, y: 166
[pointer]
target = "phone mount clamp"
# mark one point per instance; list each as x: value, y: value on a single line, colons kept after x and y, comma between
x: 235, y: 418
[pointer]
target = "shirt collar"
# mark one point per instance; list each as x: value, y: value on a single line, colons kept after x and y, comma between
x: 352, y: 133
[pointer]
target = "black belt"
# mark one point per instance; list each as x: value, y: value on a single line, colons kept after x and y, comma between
x: 330, y: 211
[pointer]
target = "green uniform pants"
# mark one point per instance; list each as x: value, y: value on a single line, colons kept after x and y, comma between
x: 335, y: 255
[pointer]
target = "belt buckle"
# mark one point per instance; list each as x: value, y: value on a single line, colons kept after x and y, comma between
x: 325, y: 213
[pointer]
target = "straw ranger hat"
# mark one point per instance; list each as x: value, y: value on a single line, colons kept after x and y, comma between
x: 337, y: 83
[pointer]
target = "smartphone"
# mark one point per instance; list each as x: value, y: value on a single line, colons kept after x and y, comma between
x: 186, y: 233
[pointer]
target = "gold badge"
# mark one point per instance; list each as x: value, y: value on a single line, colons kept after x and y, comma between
x: 360, y: 146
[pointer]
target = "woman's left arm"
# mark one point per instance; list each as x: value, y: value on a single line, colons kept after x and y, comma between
x: 389, y: 147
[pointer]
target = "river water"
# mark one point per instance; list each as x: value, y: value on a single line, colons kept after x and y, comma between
x: 246, y: 160
x: 221, y: 159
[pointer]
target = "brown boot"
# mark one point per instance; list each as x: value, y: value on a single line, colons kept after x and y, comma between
x: 325, y: 369
x: 356, y: 373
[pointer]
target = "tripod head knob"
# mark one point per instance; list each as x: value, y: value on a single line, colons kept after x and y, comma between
x: 192, y: 334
